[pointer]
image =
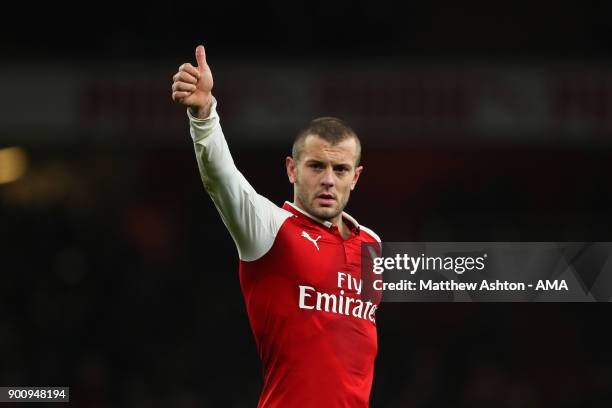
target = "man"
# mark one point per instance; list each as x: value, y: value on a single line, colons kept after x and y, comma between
x: 300, y: 265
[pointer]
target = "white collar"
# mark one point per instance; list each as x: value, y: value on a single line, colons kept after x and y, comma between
x: 328, y: 224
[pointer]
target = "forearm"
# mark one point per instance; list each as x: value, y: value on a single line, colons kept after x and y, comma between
x: 212, y: 152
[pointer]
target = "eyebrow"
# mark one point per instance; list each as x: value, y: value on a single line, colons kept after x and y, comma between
x: 315, y: 161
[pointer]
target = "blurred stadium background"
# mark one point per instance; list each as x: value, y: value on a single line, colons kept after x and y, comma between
x: 485, y: 123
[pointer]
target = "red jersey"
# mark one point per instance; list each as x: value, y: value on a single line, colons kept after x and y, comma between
x: 302, y: 285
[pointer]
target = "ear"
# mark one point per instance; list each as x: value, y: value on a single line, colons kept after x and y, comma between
x: 291, y: 173
x: 358, y: 171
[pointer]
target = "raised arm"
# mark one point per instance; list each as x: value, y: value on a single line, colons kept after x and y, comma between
x: 251, y: 219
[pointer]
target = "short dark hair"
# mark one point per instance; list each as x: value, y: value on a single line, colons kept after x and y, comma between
x: 330, y: 129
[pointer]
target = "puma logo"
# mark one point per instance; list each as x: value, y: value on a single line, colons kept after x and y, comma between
x: 314, y: 241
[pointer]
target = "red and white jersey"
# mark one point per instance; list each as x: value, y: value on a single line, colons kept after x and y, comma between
x: 302, y: 285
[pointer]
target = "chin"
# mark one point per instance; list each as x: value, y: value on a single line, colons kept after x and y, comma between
x: 326, y: 213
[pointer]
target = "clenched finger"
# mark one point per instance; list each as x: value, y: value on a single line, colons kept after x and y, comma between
x: 183, y: 86
x: 184, y: 77
x: 179, y: 95
x: 190, y: 69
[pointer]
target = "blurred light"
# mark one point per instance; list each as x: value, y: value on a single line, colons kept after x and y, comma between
x: 13, y: 164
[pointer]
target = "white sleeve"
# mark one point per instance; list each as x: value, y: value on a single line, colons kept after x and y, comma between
x: 252, y: 220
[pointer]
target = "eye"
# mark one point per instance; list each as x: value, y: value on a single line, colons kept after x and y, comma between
x: 341, y: 169
x: 316, y: 166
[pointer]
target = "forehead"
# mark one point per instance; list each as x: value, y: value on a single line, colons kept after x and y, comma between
x: 316, y: 148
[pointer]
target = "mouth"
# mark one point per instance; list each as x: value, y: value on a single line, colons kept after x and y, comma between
x: 326, y: 199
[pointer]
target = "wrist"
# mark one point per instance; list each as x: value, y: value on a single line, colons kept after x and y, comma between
x: 203, y: 112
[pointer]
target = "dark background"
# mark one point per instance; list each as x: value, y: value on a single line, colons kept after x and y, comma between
x: 119, y: 279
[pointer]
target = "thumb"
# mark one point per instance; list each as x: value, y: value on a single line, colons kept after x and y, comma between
x: 200, y: 57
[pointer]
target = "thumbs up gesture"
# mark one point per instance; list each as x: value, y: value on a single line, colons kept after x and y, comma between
x: 192, y: 86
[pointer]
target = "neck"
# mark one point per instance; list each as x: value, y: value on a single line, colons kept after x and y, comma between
x: 337, y: 220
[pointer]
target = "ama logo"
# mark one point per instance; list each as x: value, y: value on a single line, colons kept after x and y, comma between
x: 552, y: 285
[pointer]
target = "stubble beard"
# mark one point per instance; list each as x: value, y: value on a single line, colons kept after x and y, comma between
x: 322, y: 213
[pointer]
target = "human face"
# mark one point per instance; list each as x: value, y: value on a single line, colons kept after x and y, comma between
x: 323, y: 176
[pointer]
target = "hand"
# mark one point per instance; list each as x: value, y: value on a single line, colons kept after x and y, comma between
x: 192, y: 86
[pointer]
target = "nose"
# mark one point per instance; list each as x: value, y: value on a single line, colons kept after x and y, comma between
x: 328, y: 178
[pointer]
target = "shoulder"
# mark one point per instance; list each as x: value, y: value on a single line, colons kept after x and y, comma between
x: 261, y: 223
x: 369, y: 235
